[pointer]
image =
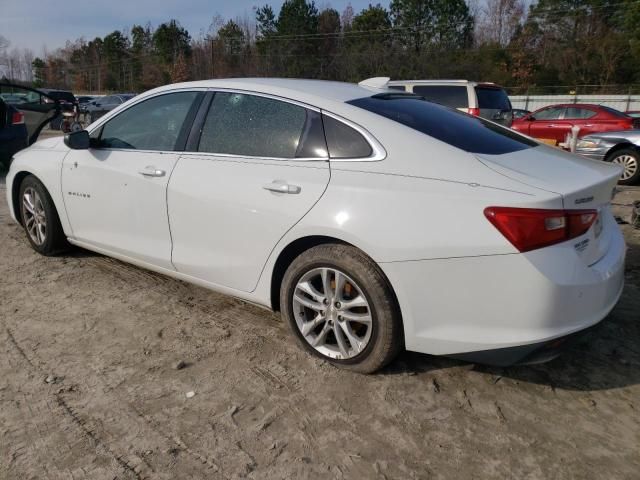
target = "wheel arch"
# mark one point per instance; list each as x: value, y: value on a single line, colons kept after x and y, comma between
x: 15, y: 192
x: 300, y: 245
x: 618, y: 147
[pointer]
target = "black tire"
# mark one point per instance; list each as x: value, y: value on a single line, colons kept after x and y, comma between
x: 386, y: 338
x: 54, y: 239
x: 628, y: 152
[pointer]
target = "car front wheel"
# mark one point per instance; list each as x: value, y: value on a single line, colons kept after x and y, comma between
x: 40, y: 218
x: 340, y: 307
x: 629, y: 159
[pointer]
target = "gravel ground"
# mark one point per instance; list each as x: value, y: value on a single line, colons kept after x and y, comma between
x: 90, y: 389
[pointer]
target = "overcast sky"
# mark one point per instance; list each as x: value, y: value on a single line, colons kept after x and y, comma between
x: 48, y: 23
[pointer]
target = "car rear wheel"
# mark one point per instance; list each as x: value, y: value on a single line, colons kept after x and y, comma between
x: 40, y: 218
x: 339, y: 306
x: 629, y: 159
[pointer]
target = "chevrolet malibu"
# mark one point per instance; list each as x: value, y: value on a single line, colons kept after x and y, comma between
x: 373, y: 220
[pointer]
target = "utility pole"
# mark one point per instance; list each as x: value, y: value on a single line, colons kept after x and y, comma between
x: 213, y: 59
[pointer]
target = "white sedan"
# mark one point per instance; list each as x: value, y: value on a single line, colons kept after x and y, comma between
x: 372, y: 219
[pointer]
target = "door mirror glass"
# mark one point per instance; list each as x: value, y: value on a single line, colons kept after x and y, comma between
x: 77, y: 140
x: 531, y: 118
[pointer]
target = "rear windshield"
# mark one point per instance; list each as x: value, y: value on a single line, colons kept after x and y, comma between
x: 466, y: 132
x: 450, y: 96
x: 493, y: 98
x: 615, y: 112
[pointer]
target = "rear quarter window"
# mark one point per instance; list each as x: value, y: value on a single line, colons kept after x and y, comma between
x: 448, y: 95
x: 466, y: 132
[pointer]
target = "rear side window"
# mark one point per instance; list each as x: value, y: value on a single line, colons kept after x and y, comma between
x: 447, y: 95
x: 344, y: 141
x: 492, y: 98
x: 468, y: 133
x: 397, y: 87
x: 573, y: 112
x: 254, y: 126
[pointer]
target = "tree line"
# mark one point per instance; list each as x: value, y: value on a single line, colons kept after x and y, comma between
x: 557, y: 43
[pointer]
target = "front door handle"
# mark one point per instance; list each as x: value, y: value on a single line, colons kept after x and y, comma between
x: 280, y: 186
x: 151, y: 171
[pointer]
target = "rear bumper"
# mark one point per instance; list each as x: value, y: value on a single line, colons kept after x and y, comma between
x: 524, y: 354
x: 509, y: 306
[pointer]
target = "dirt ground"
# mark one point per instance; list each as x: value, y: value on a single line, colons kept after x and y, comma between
x: 89, y: 389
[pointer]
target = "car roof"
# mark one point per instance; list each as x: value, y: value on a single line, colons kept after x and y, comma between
x: 446, y: 81
x: 575, y: 105
x: 302, y: 90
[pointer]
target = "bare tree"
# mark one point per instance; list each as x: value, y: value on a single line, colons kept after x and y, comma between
x: 498, y: 20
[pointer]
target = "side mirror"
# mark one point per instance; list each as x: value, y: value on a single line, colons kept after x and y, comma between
x: 77, y: 140
x: 531, y: 118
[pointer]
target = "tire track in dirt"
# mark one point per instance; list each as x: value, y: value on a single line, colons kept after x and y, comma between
x: 131, y: 464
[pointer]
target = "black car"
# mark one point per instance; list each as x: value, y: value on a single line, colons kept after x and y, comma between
x: 99, y: 107
x: 23, y: 113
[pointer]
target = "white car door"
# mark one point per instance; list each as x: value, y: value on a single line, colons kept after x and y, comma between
x: 260, y: 167
x: 115, y: 193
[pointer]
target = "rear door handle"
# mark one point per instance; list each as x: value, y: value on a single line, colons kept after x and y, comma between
x: 151, y: 171
x: 280, y: 186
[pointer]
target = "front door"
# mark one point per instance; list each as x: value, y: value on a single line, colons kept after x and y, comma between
x: 115, y: 192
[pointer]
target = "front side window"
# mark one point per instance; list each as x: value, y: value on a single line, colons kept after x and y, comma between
x: 256, y: 126
x: 154, y: 124
x: 552, y: 113
x: 447, y: 95
x: 466, y: 132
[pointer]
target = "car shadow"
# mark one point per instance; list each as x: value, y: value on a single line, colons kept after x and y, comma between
x: 607, y: 357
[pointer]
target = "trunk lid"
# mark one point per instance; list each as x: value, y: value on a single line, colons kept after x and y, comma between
x: 583, y: 184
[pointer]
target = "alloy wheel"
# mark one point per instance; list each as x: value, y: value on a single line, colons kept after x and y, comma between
x: 332, y: 313
x: 34, y: 216
x: 629, y: 163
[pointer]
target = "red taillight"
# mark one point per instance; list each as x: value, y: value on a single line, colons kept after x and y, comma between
x: 531, y: 228
x: 473, y: 111
x: 17, y: 118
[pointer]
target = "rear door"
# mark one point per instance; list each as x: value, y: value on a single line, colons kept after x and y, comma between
x: 259, y: 166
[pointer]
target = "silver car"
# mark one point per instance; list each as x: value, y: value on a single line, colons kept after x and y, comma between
x: 622, y: 147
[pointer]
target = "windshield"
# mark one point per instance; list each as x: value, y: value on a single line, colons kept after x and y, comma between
x: 466, y: 132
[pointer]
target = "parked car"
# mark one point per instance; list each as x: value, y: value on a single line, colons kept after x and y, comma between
x: 552, y: 124
x: 99, y: 107
x: 67, y: 100
x: 486, y: 100
x: 621, y: 147
x: 633, y: 113
x: 519, y: 113
x: 372, y: 219
x: 84, y: 101
x: 21, y: 121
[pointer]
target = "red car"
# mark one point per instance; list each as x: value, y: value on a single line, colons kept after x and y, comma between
x: 552, y: 124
